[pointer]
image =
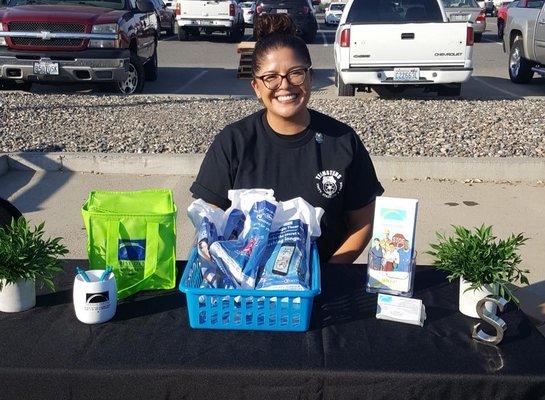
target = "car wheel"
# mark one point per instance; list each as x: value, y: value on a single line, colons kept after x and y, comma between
x: 520, y: 69
x: 452, y: 90
x: 477, y: 37
x: 235, y: 34
x: 501, y: 27
x: 170, y: 30
x: 151, y: 67
x: 134, y: 83
x: 182, y: 34
x: 344, y: 89
x: 309, y: 37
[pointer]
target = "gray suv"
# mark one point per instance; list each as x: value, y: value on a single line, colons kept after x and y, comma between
x: 300, y: 11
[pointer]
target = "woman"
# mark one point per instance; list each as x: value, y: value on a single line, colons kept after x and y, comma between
x: 294, y: 150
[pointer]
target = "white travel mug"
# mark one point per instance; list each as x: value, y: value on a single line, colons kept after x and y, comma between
x: 95, y: 301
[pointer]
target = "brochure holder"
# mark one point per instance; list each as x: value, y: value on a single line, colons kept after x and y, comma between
x: 398, y: 283
x: 392, y: 255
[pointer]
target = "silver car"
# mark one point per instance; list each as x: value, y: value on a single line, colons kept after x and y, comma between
x: 333, y: 13
x: 467, y: 10
x: 248, y: 10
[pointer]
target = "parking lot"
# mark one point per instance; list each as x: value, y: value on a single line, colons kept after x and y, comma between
x: 208, y: 67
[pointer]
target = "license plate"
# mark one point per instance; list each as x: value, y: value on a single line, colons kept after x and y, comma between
x: 281, y: 11
x: 406, y: 74
x: 459, y: 17
x: 46, y: 68
x: 202, y: 22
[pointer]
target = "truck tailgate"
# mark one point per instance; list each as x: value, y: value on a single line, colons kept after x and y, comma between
x: 412, y: 44
x: 198, y: 9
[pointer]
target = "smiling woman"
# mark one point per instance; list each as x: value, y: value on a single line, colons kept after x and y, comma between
x: 296, y: 151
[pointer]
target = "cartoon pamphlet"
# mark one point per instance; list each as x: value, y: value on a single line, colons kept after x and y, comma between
x: 390, y: 266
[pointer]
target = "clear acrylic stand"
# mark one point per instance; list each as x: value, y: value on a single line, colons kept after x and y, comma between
x: 385, y: 277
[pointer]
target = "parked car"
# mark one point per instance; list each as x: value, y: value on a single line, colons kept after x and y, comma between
x: 248, y: 10
x: 300, y: 11
x: 165, y: 15
x: 396, y: 44
x: 524, y: 40
x: 333, y: 13
x: 502, y: 16
x: 467, y: 10
x: 488, y: 7
x: 209, y: 16
x: 112, y: 41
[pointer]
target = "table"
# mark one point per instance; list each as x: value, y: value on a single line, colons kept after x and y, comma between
x: 149, y: 352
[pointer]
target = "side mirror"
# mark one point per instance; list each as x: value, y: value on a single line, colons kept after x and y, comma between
x: 145, y: 5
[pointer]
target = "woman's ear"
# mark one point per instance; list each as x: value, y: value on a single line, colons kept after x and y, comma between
x: 255, y: 86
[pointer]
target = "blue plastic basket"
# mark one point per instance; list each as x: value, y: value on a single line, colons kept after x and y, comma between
x: 249, y: 309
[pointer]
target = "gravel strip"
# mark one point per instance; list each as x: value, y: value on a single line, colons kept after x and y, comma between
x: 153, y: 124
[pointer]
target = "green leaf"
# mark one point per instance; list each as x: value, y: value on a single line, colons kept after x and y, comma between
x: 25, y: 254
x: 479, y: 257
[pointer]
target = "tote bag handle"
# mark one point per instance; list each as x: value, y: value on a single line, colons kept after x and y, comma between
x: 152, y: 251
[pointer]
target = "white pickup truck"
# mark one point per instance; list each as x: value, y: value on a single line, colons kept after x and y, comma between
x: 524, y: 40
x: 208, y: 16
x: 396, y: 44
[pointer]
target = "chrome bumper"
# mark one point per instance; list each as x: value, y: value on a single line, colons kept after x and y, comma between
x: 72, y: 68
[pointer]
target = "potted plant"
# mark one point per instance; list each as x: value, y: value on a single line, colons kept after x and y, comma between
x: 483, y: 264
x: 25, y: 258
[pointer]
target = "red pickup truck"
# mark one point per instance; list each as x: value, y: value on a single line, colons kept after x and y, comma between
x: 102, y: 41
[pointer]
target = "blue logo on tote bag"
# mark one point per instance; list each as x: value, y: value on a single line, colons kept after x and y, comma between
x: 132, y: 250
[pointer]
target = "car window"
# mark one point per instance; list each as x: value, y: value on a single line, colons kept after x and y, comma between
x: 339, y: 7
x: 535, y: 4
x: 394, y: 11
x: 460, y: 4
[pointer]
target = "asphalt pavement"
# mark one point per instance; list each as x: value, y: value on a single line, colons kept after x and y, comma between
x: 208, y: 66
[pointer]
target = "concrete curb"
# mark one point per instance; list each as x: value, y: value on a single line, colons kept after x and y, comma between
x: 456, y: 168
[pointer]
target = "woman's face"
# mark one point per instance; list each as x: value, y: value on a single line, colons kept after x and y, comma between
x: 288, y: 101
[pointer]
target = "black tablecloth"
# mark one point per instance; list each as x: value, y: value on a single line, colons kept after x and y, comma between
x: 148, y: 351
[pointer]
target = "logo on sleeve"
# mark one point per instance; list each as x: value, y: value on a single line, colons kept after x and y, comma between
x: 329, y: 183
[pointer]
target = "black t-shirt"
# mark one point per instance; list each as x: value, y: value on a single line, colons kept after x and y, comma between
x: 326, y: 164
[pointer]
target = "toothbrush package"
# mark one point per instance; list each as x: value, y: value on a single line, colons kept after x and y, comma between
x: 257, y: 242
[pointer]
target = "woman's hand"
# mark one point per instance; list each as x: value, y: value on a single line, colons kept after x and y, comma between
x: 360, y: 229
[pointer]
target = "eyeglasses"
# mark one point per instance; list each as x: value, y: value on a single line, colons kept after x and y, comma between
x: 295, y: 77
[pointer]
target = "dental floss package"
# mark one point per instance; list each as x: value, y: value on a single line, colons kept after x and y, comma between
x: 401, y: 309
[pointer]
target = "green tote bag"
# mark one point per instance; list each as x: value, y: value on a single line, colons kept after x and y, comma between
x: 135, y: 234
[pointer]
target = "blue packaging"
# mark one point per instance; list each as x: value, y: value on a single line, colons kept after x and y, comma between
x: 234, y: 224
x: 285, y: 263
x: 239, y: 259
x: 285, y: 259
x: 206, y: 219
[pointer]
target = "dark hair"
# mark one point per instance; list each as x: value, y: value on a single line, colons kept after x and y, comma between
x: 276, y: 31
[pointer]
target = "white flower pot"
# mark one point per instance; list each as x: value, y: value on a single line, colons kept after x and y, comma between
x: 470, y: 298
x: 18, y: 296
x: 95, y: 301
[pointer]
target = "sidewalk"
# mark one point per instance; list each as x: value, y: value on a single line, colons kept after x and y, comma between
x: 52, y: 188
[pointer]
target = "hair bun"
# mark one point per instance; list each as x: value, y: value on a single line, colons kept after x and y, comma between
x: 268, y: 24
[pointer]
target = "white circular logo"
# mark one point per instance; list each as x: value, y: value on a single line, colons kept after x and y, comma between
x: 329, y: 183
